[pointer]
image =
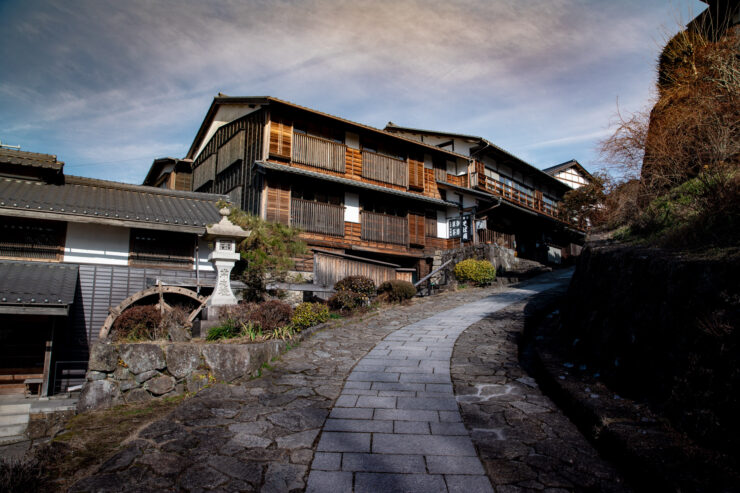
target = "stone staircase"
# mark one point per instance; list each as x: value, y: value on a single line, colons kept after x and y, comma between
x: 13, y: 421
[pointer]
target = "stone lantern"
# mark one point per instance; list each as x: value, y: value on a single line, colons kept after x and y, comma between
x: 224, y: 235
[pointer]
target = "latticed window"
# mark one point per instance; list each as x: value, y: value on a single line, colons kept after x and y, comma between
x: 32, y: 239
x: 162, y: 248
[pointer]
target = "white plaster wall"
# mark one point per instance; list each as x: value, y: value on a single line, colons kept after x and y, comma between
x: 225, y: 114
x: 442, y: 231
x: 452, y: 167
x: 428, y: 163
x: 203, y: 251
x: 351, y: 207
x: 96, y: 244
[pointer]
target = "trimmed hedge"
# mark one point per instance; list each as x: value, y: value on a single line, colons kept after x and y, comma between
x: 479, y: 272
x: 397, y: 290
x: 307, y: 315
x: 348, y: 300
x: 356, y: 284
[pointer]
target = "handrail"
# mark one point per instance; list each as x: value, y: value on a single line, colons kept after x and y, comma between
x: 433, y: 272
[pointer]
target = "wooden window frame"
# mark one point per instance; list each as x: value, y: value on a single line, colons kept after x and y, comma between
x: 171, y: 237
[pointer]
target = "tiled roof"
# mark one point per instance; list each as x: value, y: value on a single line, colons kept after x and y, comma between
x: 99, y: 201
x: 34, y: 159
x: 37, y: 283
x: 352, y: 183
x: 552, y: 170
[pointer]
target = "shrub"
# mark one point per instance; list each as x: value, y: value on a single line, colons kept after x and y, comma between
x: 479, y: 272
x: 307, y: 315
x: 271, y: 315
x: 139, y: 323
x: 228, y: 329
x: 397, y: 290
x: 268, y: 315
x: 348, y: 300
x: 356, y: 284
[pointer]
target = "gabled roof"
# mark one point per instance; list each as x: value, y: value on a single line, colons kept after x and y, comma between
x: 222, y: 99
x: 39, y: 287
x: 483, y: 144
x: 33, y: 159
x: 158, y: 165
x: 78, y: 199
x: 553, y: 170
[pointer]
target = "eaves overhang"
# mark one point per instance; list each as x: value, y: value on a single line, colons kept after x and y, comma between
x: 351, y: 183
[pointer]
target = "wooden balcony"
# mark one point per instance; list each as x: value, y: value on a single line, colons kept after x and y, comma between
x: 495, y: 238
x: 318, y: 152
x: 317, y: 217
x: 526, y: 199
x: 384, y: 228
x: 385, y: 168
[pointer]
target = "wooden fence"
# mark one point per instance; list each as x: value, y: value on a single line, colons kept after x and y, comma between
x: 385, y: 168
x: 328, y: 269
x: 318, y: 152
x: 384, y: 228
x: 317, y: 217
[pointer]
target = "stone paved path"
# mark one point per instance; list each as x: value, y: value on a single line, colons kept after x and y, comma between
x: 261, y: 434
x: 396, y: 426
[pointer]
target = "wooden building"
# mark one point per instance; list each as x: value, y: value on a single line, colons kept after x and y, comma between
x: 71, y: 248
x: 170, y: 173
x: 571, y: 173
x: 365, y: 193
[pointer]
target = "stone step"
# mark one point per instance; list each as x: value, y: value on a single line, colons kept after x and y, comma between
x: 11, y: 430
x: 13, y: 419
x: 9, y: 409
x: 11, y: 439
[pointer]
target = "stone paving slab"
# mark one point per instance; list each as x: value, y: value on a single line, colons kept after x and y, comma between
x: 428, y: 448
x: 262, y: 434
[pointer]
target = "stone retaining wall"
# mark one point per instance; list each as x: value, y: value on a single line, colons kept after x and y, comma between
x: 509, y: 268
x: 135, y: 372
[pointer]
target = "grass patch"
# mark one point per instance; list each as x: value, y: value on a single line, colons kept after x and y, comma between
x: 88, y: 440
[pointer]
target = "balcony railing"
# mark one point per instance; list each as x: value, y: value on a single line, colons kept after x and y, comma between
x: 385, y: 168
x: 384, y: 228
x: 496, y: 238
x: 524, y: 198
x: 317, y: 217
x: 318, y: 152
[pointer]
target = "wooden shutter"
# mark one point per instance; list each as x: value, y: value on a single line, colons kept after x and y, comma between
x: 278, y: 202
x: 416, y: 229
x: 280, y: 138
x: 416, y: 174
x: 430, y: 224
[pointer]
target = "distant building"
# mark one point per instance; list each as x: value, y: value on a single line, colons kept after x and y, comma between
x: 371, y: 200
x: 571, y: 173
x: 71, y: 248
x: 169, y: 173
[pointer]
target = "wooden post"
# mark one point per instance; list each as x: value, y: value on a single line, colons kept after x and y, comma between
x: 47, y: 362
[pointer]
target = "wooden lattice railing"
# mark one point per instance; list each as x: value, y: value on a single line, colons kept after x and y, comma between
x: 317, y: 217
x: 318, y: 152
x: 384, y: 228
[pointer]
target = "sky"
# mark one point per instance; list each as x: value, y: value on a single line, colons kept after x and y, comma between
x: 110, y: 85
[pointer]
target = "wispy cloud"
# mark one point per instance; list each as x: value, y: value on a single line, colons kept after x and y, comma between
x: 95, y: 80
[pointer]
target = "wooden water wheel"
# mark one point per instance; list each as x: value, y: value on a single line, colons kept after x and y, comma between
x: 159, y: 290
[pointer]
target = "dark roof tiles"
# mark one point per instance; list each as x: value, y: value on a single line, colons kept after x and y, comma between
x: 37, y: 283
x: 104, y: 200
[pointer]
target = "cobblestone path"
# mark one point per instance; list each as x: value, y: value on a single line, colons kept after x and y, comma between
x: 261, y: 434
x: 396, y: 426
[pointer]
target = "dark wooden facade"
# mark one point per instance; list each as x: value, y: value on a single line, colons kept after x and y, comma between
x: 266, y: 160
